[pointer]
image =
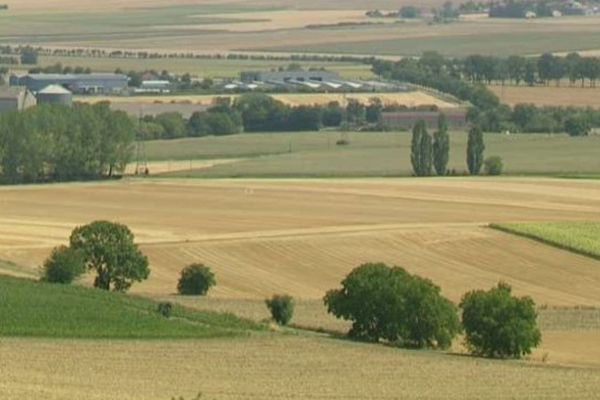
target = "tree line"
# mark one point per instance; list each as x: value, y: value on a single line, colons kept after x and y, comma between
x: 100, y: 53
x: 428, y: 154
x: 258, y: 112
x: 452, y: 77
x: 389, y: 304
x: 58, y: 143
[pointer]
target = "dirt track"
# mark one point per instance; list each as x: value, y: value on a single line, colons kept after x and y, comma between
x: 303, y: 236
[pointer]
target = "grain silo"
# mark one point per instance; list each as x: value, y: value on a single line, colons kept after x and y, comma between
x: 55, y: 94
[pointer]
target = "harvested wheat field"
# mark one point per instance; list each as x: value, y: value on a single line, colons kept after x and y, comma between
x: 565, y: 96
x: 278, y: 367
x: 409, y: 99
x: 302, y: 236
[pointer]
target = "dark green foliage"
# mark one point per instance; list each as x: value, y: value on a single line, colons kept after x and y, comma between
x: 356, y: 113
x: 577, y: 126
x: 475, y: 150
x: 393, y: 305
x: 498, y: 324
x: 281, y: 308
x: 441, y: 147
x: 64, y: 265
x: 108, y: 249
x: 196, y: 279
x: 332, y: 115
x: 304, y: 118
x: 373, y: 110
x: 218, y: 121
x: 38, y: 309
x: 493, y: 165
x: 56, y: 143
x: 135, y: 78
x: 261, y: 113
x: 174, y: 126
x: 421, y: 155
x: 165, y: 309
x: 29, y: 56
x: 409, y: 12
x: 463, y: 79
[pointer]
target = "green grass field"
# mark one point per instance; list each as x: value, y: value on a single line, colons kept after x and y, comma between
x: 315, y: 154
x: 202, y: 68
x: 579, y: 237
x: 33, y: 309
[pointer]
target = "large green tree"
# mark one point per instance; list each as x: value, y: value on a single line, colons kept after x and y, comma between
x: 498, y: 324
x: 109, y: 249
x: 441, y: 147
x: 393, y: 305
x: 475, y: 150
x: 421, y: 155
x: 58, y: 143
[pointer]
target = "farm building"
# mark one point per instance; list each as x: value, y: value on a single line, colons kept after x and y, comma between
x: 154, y: 86
x: 290, y: 76
x: 55, y: 94
x: 456, y: 118
x: 16, y: 99
x: 76, y: 83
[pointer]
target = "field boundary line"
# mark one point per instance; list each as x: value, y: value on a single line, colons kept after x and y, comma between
x: 309, y: 232
x: 549, y: 242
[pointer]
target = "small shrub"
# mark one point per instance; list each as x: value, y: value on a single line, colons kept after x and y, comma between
x: 165, y: 309
x: 499, y: 325
x: 282, y: 308
x: 493, y: 165
x: 342, y: 142
x: 63, y: 266
x: 196, y: 279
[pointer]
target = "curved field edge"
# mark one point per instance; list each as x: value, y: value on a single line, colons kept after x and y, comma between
x: 35, y: 309
x: 578, y: 237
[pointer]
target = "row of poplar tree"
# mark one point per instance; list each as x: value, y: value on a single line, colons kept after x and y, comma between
x: 433, y: 153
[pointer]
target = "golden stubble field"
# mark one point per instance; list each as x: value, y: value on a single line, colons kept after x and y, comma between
x: 302, y: 236
x: 272, y: 367
x: 409, y: 99
x: 563, y: 96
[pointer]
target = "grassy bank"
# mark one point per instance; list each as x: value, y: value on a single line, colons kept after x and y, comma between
x: 34, y: 309
x: 315, y: 154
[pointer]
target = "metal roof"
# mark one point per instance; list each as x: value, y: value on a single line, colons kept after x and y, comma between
x: 76, y: 76
x: 54, y: 89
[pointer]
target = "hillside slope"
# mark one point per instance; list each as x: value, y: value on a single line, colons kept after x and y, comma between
x: 34, y: 309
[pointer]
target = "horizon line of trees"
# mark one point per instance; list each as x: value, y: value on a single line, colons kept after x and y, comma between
x: 50, y: 143
x: 258, y: 112
x: 432, y: 153
x: 448, y: 76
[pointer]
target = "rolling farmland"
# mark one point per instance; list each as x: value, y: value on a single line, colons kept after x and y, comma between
x: 283, y: 367
x: 301, y: 237
x: 565, y: 96
x: 369, y: 154
x: 264, y: 237
x: 282, y: 26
